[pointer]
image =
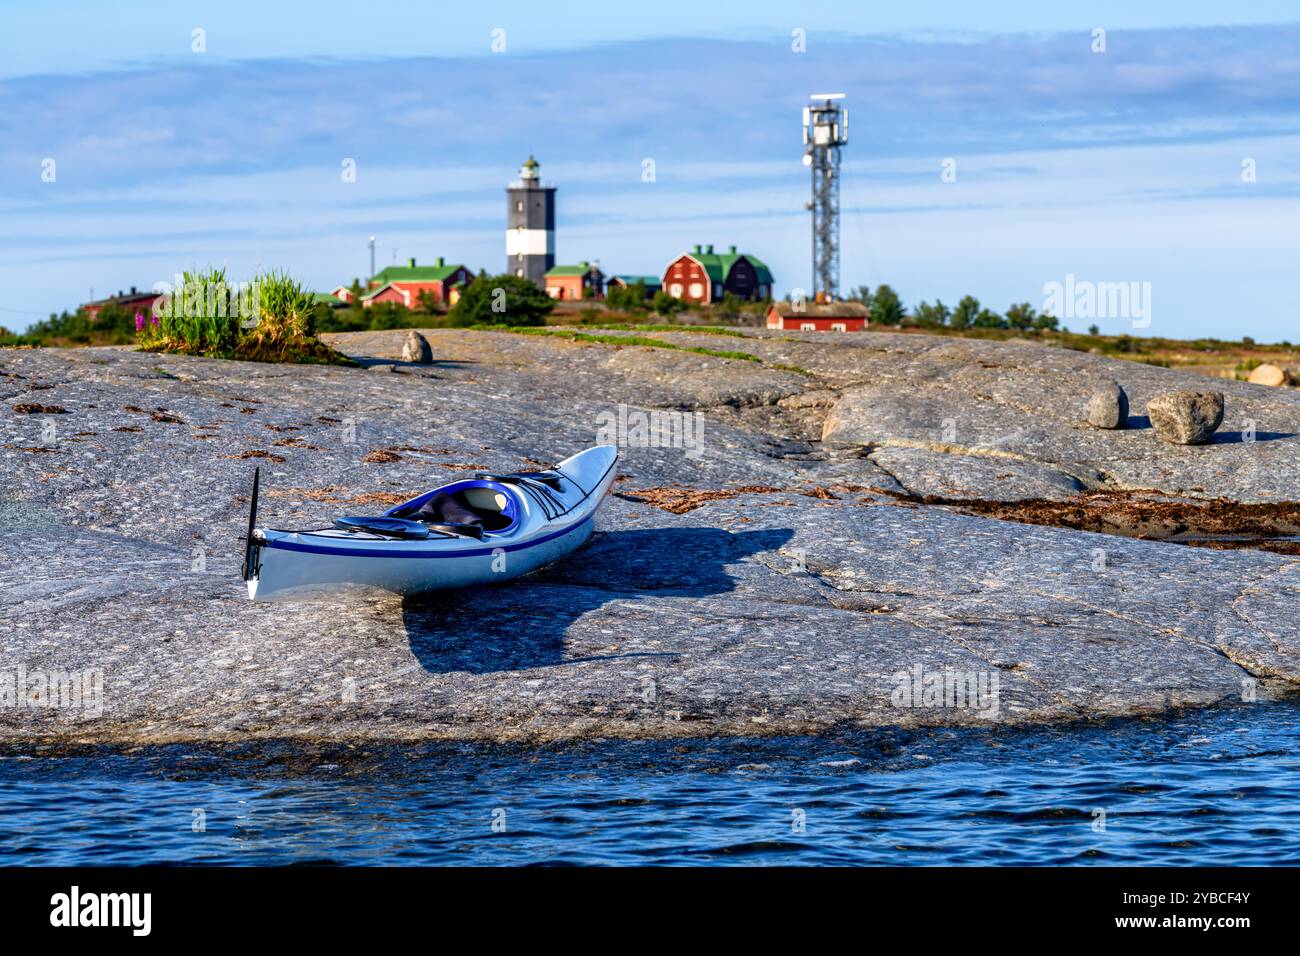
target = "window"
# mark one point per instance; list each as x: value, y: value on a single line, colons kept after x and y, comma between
x: 675, y: 290
x: 808, y: 327
x: 519, y: 272
x: 519, y: 205
x: 838, y: 327
x: 519, y: 257
x: 697, y: 290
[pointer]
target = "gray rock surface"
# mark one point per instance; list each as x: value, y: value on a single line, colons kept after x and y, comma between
x: 1186, y: 417
x: 791, y: 606
x: 1107, y: 406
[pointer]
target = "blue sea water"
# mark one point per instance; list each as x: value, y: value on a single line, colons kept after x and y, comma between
x: 1218, y: 787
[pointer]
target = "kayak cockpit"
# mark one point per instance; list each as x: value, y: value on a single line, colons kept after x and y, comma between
x: 491, y: 506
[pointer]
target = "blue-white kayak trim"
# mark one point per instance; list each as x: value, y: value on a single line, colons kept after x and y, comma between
x: 284, y: 545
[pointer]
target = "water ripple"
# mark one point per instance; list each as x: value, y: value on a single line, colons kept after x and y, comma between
x: 1214, y: 787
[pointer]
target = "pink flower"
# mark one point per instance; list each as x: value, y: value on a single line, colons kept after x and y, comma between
x: 139, y: 321
x: 154, y: 320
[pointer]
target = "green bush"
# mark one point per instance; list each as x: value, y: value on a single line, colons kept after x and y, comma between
x: 284, y: 306
x: 501, y: 300
x: 932, y: 316
x: 963, y: 317
x: 1021, y: 316
x: 665, y: 304
x: 201, y: 315
x: 390, y: 315
x: 330, y: 319
x: 633, y: 298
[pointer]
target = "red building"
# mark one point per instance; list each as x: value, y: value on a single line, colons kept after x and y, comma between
x: 818, y: 316
x: 583, y: 281
x: 133, y: 301
x: 704, y: 276
x: 404, y: 284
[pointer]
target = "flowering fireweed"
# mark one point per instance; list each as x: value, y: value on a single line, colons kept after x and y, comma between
x: 270, y: 319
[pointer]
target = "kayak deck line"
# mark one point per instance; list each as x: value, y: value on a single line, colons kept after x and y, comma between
x: 282, y: 545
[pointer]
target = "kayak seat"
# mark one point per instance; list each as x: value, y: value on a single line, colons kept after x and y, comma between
x: 480, y: 508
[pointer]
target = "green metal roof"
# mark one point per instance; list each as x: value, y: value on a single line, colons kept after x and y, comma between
x: 581, y: 269
x: 764, y: 273
x: 415, y: 274
x: 719, y: 265
x: 648, y: 281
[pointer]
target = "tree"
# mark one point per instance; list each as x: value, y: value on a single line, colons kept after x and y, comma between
x: 963, y: 317
x: 632, y: 298
x: 665, y: 304
x: 347, y: 319
x: 934, y: 316
x: 1021, y: 316
x: 1094, y: 330
x: 731, y: 305
x: 390, y: 315
x: 886, y: 307
x: 426, y: 301
x: 501, y: 300
x: 1047, y: 322
x: 988, y: 319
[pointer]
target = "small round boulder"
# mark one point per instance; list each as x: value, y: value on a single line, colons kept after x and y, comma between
x: 1267, y: 374
x: 1108, y: 406
x: 416, y: 349
x: 1186, y: 418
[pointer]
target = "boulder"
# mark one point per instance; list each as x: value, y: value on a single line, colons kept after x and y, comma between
x: 1186, y: 417
x: 416, y: 349
x: 1108, y: 406
x: 1267, y: 374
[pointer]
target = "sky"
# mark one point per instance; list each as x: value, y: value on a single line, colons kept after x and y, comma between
x: 132, y: 148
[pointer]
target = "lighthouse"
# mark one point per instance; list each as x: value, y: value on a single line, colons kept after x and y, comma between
x: 530, y: 225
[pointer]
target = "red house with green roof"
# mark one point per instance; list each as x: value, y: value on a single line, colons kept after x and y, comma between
x: 583, y: 281
x: 705, y: 276
x: 404, y: 284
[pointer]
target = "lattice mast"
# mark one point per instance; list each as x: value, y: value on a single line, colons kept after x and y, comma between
x: 825, y: 132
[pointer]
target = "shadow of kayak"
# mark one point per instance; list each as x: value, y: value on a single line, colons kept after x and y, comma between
x: 521, y: 624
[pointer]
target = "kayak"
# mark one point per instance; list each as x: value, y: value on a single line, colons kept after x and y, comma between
x: 474, y: 531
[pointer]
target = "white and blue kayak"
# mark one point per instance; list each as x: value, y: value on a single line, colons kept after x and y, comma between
x: 475, y: 531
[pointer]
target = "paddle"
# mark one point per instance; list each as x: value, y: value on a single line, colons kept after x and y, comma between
x: 252, y: 520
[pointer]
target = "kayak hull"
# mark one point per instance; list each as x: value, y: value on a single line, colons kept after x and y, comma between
x: 311, y: 565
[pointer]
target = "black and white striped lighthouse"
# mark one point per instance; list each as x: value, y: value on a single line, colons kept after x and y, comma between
x: 530, y: 225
